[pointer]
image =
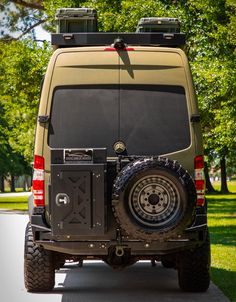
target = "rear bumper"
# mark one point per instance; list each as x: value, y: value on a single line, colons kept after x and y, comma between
x: 99, y: 246
x: 137, y: 248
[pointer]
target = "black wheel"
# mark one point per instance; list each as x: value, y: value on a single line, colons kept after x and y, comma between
x: 39, y: 272
x: 194, y: 268
x: 153, y: 198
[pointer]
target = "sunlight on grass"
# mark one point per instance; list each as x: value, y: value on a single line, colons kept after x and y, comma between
x: 17, y: 206
x: 222, y: 225
x: 13, y: 199
x: 231, y: 186
x: 14, y: 202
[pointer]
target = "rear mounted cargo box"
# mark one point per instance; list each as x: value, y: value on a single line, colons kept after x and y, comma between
x: 161, y: 25
x: 77, y: 198
x: 74, y: 20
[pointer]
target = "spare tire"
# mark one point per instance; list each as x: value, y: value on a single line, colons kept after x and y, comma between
x: 153, y: 198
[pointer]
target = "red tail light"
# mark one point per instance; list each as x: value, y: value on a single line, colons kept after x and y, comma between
x: 38, y: 181
x: 199, y: 179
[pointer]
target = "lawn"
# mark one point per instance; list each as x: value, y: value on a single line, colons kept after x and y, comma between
x: 231, y: 186
x: 222, y: 224
x: 14, y: 202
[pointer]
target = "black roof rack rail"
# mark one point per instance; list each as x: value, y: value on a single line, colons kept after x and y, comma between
x: 102, y: 38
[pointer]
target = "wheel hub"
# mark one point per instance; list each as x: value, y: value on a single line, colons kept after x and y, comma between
x: 154, y: 201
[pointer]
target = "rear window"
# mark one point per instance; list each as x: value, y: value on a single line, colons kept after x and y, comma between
x: 151, y: 120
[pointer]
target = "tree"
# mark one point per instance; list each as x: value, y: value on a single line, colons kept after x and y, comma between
x: 211, y: 39
x: 23, y: 64
x: 21, y: 17
x: 3, y: 150
x: 216, y: 89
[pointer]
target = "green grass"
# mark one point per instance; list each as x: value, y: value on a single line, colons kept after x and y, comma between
x: 8, y: 190
x: 14, y: 203
x: 231, y: 186
x: 222, y: 225
x: 15, y: 206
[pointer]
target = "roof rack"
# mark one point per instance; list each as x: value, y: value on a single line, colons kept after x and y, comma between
x: 107, y: 38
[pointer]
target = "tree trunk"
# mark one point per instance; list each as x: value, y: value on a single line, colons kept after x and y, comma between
x: 13, y: 189
x: 2, y: 187
x: 209, y: 187
x: 224, y: 187
x: 24, y: 183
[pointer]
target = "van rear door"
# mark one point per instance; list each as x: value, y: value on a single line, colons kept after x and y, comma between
x: 153, y: 103
x: 85, y: 100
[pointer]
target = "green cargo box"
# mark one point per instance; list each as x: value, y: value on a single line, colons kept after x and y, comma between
x: 161, y: 25
x: 75, y: 20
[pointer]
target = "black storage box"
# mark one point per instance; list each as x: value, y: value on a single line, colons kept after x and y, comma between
x: 161, y: 25
x: 74, y: 20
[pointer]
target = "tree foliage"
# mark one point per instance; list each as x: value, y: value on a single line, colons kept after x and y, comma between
x: 211, y: 39
x: 22, y: 66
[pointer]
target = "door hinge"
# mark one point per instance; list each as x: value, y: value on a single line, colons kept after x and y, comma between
x: 195, y: 118
x: 43, y: 119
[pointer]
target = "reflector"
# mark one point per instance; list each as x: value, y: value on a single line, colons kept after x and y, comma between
x: 38, y: 181
x: 199, y: 179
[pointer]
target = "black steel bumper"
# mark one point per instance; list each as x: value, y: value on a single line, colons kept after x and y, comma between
x: 98, y: 246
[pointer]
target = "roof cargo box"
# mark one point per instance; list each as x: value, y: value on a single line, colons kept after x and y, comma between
x: 161, y: 25
x: 74, y: 20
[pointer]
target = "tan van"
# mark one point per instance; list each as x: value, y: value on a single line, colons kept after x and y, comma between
x: 118, y: 165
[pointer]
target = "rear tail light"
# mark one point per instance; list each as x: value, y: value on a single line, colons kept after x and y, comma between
x: 38, y: 181
x: 199, y: 179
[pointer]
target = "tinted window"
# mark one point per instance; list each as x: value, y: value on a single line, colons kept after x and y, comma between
x: 154, y: 119
x: 149, y: 119
x: 84, y: 117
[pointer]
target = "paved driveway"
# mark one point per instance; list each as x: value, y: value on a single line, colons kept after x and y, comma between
x: 94, y: 282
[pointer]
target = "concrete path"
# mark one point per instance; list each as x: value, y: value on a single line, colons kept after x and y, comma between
x: 93, y: 282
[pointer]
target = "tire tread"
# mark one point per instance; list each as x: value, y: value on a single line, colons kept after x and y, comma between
x: 194, y: 268
x: 39, y: 272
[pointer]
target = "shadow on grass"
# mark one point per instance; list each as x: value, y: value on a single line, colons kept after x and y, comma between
x: 225, y: 235
x: 225, y: 280
x: 222, y: 205
x: 222, y: 219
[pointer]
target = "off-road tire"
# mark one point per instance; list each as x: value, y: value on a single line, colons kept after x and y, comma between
x: 194, y: 268
x: 39, y: 272
x: 172, y: 177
